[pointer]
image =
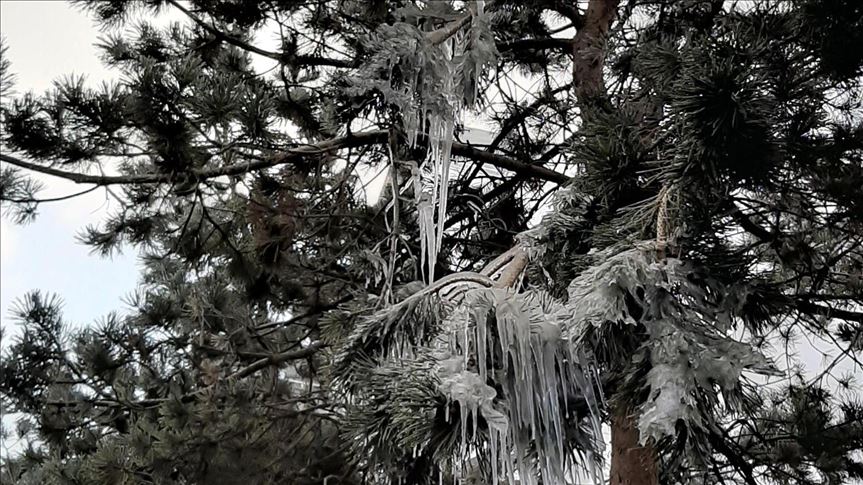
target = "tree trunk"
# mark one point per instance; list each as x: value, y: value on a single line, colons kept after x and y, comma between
x: 631, y: 464
x: 589, y: 49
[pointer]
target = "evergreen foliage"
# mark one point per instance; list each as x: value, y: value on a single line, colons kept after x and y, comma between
x: 701, y: 160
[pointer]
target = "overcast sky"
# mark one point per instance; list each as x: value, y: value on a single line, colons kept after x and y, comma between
x: 47, y: 40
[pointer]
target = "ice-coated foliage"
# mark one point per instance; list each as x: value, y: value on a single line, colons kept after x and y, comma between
x: 515, y: 342
x: 513, y: 390
x: 687, y: 318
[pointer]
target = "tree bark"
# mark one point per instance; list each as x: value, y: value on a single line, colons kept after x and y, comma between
x: 589, y: 49
x: 631, y: 464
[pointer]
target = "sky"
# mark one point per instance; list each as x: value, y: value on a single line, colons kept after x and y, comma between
x: 48, y: 40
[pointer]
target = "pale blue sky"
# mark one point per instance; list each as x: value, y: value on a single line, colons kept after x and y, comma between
x: 47, y: 40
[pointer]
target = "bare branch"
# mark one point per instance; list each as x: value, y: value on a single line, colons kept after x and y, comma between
x: 548, y: 43
x: 290, y: 155
x: 277, y: 359
x: 51, y: 199
x: 440, y: 35
x: 806, y: 306
x: 508, y: 163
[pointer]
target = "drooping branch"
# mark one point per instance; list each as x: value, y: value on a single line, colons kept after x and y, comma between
x: 288, y: 156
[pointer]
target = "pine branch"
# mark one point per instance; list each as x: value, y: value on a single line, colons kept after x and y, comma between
x: 223, y: 36
x: 522, y: 113
x: 807, y: 306
x: 290, y: 155
x: 268, y: 361
x: 739, y: 462
x: 751, y: 227
x: 801, y: 302
x: 506, y: 127
x: 305, y: 60
x: 434, y: 37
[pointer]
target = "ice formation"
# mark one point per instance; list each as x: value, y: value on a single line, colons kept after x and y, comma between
x: 437, y: 120
x: 515, y: 343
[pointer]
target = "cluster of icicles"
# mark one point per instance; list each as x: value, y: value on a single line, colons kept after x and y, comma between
x: 517, y: 339
x: 431, y: 185
x: 431, y: 178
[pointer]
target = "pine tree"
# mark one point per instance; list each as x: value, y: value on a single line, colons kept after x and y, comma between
x: 701, y: 160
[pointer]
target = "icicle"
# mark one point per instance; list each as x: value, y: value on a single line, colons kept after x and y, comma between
x: 428, y: 248
x: 542, y: 370
x: 446, y: 139
x: 475, y: 413
x: 481, y: 350
x: 463, y: 422
x: 492, y: 445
